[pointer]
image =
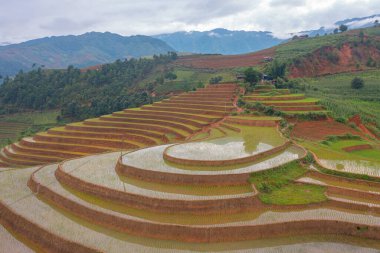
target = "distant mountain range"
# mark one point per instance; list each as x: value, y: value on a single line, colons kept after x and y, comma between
x: 219, y: 41
x: 353, y: 23
x: 81, y: 51
x: 97, y: 48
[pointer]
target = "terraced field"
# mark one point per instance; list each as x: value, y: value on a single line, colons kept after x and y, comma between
x: 285, y: 102
x: 185, y: 175
x: 171, y: 120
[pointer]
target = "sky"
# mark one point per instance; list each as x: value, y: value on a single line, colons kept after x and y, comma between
x: 22, y: 20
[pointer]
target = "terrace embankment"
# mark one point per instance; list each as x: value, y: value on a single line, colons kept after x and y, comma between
x: 131, y: 129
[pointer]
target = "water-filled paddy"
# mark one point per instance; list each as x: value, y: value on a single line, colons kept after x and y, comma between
x: 152, y: 159
x: 353, y: 166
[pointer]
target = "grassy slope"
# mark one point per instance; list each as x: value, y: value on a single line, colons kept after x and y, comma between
x: 187, y: 79
x: 294, y: 49
x: 337, y: 96
x: 33, y: 122
x: 276, y: 186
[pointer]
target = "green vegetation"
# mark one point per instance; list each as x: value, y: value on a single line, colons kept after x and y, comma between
x: 252, y: 76
x: 276, y: 186
x: 16, y: 126
x: 187, y: 79
x: 348, y: 175
x: 276, y: 69
x: 357, y: 83
x: 215, y: 80
x: 78, y: 94
x: 336, y: 95
x: 293, y: 51
x: 295, y: 194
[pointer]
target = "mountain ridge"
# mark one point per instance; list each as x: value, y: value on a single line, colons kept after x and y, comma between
x: 81, y: 51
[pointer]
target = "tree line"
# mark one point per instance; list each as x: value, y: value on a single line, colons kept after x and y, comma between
x: 81, y: 94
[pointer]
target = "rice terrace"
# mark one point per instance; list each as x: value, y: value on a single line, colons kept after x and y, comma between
x: 272, y: 150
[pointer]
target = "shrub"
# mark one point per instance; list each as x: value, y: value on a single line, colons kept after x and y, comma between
x: 340, y: 120
x: 215, y: 80
x: 357, y: 83
x: 309, y: 158
x: 252, y: 76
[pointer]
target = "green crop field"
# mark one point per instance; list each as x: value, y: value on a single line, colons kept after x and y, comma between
x: 338, y: 97
x: 15, y: 126
x: 298, y: 48
x: 276, y: 186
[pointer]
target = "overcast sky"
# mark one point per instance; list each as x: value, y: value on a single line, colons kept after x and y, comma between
x: 22, y: 20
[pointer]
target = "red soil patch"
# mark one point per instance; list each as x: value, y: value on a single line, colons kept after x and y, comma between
x: 95, y: 67
x: 349, y: 58
x: 319, y: 130
x: 358, y: 122
x: 357, y: 148
x: 225, y: 61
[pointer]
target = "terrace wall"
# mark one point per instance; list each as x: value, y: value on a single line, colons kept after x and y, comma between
x: 95, y: 142
x: 228, y: 205
x: 259, y: 123
x: 59, y: 146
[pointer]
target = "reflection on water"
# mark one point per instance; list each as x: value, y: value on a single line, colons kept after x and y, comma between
x: 353, y: 166
x: 152, y: 159
x: 220, y: 149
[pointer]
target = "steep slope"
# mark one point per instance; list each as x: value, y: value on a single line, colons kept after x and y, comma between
x: 220, y: 41
x: 81, y: 51
x: 349, y: 51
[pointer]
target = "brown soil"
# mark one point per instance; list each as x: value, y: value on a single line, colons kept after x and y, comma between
x: 225, y: 61
x: 319, y: 130
x: 358, y: 122
x: 349, y: 58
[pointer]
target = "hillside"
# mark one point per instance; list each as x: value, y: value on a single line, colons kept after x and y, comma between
x: 344, y: 52
x: 80, y: 51
x: 219, y: 41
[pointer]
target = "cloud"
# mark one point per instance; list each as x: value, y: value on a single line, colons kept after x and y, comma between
x: 24, y: 20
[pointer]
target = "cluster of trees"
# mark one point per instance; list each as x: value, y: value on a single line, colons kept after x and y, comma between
x: 215, y: 80
x: 81, y: 94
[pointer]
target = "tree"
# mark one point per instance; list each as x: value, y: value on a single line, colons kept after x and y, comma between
x: 357, y: 83
x: 252, y: 76
x: 170, y: 76
x: 376, y: 23
x: 343, y: 28
x: 215, y: 80
x: 276, y: 69
x: 336, y: 30
x: 361, y: 36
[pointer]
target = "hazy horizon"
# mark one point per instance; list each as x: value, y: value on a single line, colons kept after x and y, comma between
x: 42, y: 18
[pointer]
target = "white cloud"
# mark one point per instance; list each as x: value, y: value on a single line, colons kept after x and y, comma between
x: 24, y: 20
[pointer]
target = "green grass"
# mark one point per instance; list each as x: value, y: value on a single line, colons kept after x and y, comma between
x: 306, y: 100
x: 336, y: 95
x: 276, y: 186
x: 285, y: 95
x: 32, y: 123
x: 187, y: 79
x: 295, y: 194
x: 249, y: 117
x: 302, y: 47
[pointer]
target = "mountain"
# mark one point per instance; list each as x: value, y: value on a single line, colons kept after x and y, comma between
x: 219, y: 41
x: 81, y: 51
x: 352, y: 23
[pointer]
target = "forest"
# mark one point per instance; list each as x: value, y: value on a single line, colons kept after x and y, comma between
x: 81, y: 94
